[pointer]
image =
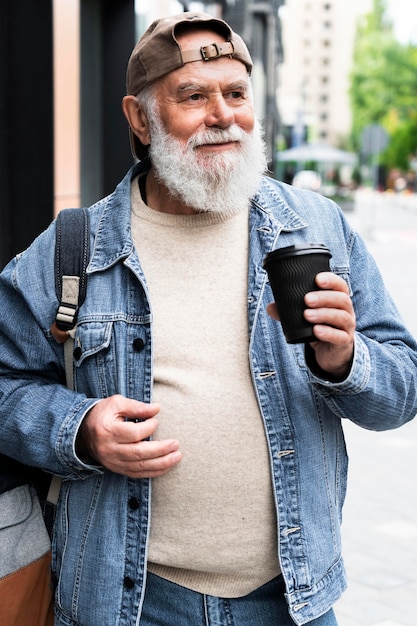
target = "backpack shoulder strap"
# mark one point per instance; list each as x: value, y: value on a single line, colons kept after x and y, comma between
x: 72, y: 253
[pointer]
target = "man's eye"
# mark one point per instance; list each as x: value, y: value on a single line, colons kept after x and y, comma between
x: 195, y: 96
x: 236, y: 95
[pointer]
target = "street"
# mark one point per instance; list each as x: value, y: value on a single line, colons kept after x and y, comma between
x: 380, y: 514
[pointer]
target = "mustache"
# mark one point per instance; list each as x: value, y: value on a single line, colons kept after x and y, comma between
x: 216, y: 135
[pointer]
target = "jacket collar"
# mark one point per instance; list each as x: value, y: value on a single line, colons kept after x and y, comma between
x: 271, y: 198
x: 113, y: 237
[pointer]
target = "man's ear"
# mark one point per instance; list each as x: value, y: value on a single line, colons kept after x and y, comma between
x: 137, y: 119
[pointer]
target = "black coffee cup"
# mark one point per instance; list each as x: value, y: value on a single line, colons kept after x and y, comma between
x: 292, y: 272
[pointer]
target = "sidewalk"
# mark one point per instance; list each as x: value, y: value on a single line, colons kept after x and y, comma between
x: 380, y: 514
x: 380, y: 529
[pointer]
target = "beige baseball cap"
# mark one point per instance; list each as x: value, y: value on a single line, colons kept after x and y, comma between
x: 158, y: 53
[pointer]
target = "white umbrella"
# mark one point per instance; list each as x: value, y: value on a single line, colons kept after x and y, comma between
x: 317, y: 152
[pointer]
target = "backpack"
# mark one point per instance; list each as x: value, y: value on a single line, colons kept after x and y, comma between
x: 71, y: 259
x: 72, y: 253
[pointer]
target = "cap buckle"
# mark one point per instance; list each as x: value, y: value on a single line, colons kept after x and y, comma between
x: 213, y: 51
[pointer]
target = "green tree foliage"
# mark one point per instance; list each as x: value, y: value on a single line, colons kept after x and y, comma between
x: 384, y: 86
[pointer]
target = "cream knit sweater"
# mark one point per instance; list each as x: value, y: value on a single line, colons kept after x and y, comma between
x: 213, y: 524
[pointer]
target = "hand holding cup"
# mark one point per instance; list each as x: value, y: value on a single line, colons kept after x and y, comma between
x: 292, y: 272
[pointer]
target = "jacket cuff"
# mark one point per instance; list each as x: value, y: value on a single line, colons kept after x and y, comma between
x: 358, y: 377
x: 76, y: 467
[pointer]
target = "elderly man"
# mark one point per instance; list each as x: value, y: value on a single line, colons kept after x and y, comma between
x: 204, y: 457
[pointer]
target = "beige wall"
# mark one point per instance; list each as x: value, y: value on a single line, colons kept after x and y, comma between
x: 66, y: 24
x: 66, y: 103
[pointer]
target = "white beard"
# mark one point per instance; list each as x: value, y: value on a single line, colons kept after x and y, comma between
x: 220, y: 182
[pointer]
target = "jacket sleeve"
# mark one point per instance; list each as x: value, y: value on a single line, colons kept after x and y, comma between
x: 39, y: 415
x: 380, y: 392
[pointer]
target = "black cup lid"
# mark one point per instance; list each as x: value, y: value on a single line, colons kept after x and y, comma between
x: 297, y: 249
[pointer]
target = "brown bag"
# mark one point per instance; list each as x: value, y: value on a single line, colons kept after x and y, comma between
x: 26, y: 593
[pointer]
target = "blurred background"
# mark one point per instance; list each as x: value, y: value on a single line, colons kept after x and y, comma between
x: 336, y: 89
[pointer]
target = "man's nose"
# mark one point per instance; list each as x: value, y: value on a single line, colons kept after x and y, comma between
x: 219, y: 113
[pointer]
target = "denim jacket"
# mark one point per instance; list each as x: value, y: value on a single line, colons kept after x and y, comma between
x: 102, y: 525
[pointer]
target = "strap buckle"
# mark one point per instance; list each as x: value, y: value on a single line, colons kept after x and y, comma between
x: 215, y: 51
x: 207, y: 54
x: 66, y: 316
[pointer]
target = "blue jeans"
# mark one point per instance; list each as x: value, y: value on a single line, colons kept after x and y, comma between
x: 167, y: 603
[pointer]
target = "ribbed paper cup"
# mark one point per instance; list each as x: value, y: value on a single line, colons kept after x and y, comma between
x: 292, y: 272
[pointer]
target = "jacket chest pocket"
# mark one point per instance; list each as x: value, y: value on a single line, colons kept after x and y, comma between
x: 95, y: 359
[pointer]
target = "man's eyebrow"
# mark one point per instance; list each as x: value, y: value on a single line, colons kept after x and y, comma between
x: 185, y: 87
x: 238, y: 85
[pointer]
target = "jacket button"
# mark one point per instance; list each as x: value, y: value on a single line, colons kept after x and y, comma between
x: 138, y: 344
x: 128, y: 582
x: 133, y: 504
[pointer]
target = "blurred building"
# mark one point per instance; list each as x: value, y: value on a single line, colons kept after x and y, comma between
x: 63, y: 137
x: 313, y: 88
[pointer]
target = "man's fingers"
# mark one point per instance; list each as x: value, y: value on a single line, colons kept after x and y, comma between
x: 146, y: 459
x: 147, y: 450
